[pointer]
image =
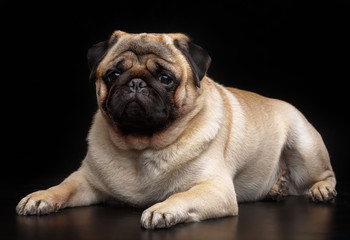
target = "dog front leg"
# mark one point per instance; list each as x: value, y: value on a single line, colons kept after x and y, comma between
x: 74, y: 191
x: 203, y: 201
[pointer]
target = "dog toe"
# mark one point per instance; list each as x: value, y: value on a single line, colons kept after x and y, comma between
x: 322, y: 192
x: 159, y: 216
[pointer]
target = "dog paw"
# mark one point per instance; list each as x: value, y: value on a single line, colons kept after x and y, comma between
x: 37, y: 203
x: 322, y: 192
x: 279, y: 191
x: 160, y: 216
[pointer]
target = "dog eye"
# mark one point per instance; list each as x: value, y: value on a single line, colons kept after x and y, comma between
x: 113, y: 76
x: 165, y: 79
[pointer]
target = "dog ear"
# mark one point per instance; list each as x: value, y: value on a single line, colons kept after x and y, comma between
x: 94, y: 56
x: 98, y: 51
x: 197, y: 57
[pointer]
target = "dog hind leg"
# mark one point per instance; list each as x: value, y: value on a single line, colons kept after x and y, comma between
x: 279, y: 191
x: 308, y: 163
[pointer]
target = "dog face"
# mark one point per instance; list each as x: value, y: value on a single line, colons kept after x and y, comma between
x: 143, y: 80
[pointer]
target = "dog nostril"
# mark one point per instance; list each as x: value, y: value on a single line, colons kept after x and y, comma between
x: 136, y: 84
x: 143, y: 84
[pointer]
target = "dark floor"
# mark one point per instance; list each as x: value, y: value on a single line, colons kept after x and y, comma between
x: 294, y: 218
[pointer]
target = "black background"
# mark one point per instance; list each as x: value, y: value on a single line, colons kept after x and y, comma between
x: 297, y: 51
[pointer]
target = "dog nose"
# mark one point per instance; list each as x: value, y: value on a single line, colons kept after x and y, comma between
x: 136, y: 85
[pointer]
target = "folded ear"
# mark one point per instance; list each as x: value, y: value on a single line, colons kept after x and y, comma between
x: 197, y: 57
x: 98, y: 51
x: 94, y: 56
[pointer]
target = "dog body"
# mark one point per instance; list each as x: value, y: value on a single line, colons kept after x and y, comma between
x: 169, y: 138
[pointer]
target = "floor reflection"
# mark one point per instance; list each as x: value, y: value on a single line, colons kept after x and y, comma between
x: 294, y: 218
x: 223, y: 228
x: 94, y: 222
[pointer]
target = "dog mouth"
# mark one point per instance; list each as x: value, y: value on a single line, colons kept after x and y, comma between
x: 134, y: 111
x: 138, y: 114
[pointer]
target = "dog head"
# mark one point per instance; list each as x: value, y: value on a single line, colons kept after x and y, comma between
x: 145, y: 82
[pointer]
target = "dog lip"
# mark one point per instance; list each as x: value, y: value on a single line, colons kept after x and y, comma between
x: 133, y: 107
x: 130, y: 98
x: 133, y: 103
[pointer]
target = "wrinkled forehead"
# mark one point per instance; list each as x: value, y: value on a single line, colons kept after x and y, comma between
x: 160, y: 45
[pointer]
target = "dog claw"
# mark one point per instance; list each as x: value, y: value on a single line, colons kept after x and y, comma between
x: 322, y: 192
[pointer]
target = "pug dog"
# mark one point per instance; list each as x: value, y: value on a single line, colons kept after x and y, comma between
x: 169, y: 139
